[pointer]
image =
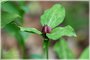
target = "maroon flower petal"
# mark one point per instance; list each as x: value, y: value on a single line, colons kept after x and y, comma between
x: 46, y: 29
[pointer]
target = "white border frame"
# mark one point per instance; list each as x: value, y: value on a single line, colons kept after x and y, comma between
x: 44, y: 0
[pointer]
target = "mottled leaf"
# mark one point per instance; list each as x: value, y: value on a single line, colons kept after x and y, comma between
x: 30, y: 30
x: 53, y: 16
x: 62, y: 50
x: 61, y: 31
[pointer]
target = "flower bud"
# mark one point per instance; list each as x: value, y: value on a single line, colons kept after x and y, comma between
x: 46, y: 29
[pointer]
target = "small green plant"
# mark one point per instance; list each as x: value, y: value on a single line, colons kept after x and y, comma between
x: 50, y: 30
x: 50, y: 20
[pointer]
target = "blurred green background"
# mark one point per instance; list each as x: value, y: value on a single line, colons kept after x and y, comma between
x: 77, y: 15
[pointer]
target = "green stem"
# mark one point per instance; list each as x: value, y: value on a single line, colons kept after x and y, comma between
x: 22, y: 45
x: 45, y: 47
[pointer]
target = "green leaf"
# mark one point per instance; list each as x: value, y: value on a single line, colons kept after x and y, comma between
x: 30, y: 30
x: 22, y: 5
x: 9, y: 7
x: 61, y: 31
x: 10, y: 12
x: 12, y: 30
x: 53, y: 16
x: 62, y: 50
x: 85, y: 54
x: 7, y: 18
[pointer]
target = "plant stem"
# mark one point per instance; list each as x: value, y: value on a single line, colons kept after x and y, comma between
x: 45, y: 47
x: 22, y: 45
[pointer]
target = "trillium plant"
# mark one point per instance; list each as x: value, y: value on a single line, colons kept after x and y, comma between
x: 50, y: 20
